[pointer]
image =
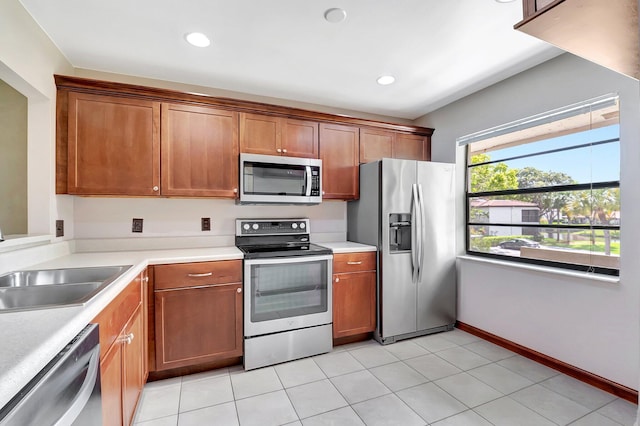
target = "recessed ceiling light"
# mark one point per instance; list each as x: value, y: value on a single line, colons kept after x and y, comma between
x: 335, y: 15
x: 386, y: 79
x: 197, y: 39
x: 504, y: 1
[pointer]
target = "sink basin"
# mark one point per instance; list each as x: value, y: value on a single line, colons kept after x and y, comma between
x: 49, y: 288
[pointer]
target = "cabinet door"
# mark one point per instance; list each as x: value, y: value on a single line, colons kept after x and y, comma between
x: 199, y: 151
x: 375, y: 144
x: 114, y: 145
x: 412, y: 147
x: 260, y: 134
x: 354, y: 303
x: 339, y: 151
x: 111, y: 386
x: 198, y: 325
x: 132, y: 365
x: 299, y: 138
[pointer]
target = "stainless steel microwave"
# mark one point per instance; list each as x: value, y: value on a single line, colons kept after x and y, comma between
x: 272, y: 179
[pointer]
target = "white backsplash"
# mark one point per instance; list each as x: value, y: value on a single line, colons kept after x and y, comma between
x: 104, y: 224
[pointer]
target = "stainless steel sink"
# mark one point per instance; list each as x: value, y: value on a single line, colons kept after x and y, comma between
x: 48, y: 288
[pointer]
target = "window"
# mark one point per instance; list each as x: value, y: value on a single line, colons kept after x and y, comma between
x: 531, y: 216
x: 546, y: 189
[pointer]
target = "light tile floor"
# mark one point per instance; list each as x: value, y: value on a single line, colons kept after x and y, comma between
x: 446, y: 379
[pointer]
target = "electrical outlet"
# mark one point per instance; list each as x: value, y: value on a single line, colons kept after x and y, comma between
x: 59, y: 228
x: 206, y: 223
x: 137, y: 225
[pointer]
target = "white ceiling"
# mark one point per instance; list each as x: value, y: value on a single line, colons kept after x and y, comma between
x: 438, y: 50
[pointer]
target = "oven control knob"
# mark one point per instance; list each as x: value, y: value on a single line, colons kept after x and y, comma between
x: 302, y: 225
x: 246, y: 227
x: 294, y: 225
x: 255, y: 226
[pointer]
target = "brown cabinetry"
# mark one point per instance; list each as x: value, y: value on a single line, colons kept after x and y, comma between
x: 117, y: 139
x: 199, y: 151
x: 340, y: 152
x: 604, y: 32
x: 354, y: 294
x: 270, y: 135
x: 198, y: 313
x: 376, y: 144
x: 122, y: 354
x: 113, y: 145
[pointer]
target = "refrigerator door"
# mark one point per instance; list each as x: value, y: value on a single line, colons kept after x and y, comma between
x: 397, y: 288
x: 436, y: 291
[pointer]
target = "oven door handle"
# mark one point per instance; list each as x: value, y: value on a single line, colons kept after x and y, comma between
x: 308, y: 181
x: 85, y: 391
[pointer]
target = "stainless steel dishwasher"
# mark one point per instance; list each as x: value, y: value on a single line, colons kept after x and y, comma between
x: 66, y: 392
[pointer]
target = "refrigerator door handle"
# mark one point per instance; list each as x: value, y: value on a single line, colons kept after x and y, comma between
x: 415, y: 209
x: 421, y: 235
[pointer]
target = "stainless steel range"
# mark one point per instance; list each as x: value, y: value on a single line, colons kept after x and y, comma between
x: 287, y: 291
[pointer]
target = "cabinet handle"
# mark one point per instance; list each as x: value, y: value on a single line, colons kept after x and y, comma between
x: 322, y: 192
x: 156, y: 188
x: 206, y: 274
x: 239, y: 290
x: 128, y: 338
x: 278, y: 150
x: 284, y: 150
x: 235, y: 190
x: 145, y: 280
x: 354, y: 263
x: 337, y: 279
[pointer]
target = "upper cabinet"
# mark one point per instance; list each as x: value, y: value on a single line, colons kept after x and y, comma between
x: 113, y: 145
x: 115, y: 139
x: 339, y: 151
x: 269, y: 135
x: 199, y: 151
x: 604, y: 32
x: 412, y: 147
x: 376, y: 144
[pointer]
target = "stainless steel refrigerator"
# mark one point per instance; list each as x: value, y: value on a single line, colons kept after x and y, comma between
x: 406, y: 209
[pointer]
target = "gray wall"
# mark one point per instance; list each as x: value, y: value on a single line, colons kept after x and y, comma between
x: 586, y: 322
x: 13, y: 161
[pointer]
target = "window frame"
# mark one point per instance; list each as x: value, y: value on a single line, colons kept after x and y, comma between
x: 546, y: 189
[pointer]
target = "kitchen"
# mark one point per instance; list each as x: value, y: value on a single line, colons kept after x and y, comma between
x: 90, y: 220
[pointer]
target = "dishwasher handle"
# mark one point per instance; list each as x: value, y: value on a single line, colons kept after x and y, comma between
x: 85, y: 391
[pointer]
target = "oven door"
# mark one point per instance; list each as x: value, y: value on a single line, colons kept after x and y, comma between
x: 286, y: 293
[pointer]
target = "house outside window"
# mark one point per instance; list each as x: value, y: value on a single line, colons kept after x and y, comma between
x: 545, y: 189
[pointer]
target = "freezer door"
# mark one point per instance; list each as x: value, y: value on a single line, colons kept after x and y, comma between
x: 397, y: 290
x: 436, y: 291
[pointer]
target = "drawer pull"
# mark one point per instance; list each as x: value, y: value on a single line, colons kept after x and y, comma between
x: 354, y: 263
x: 337, y: 279
x: 239, y: 290
x: 206, y: 274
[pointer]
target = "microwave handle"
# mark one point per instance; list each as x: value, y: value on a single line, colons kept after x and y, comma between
x: 308, y: 181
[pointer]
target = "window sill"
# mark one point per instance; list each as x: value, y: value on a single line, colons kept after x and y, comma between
x: 545, y: 269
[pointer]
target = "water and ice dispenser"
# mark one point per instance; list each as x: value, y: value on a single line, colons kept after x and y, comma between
x: 399, y: 232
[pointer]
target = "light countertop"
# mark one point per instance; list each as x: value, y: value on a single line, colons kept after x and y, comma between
x: 348, y: 247
x: 30, y: 339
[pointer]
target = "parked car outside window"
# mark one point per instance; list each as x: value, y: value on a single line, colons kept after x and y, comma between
x: 518, y: 243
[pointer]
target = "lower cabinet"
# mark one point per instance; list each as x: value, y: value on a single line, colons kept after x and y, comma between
x: 122, y: 354
x: 354, y: 294
x: 198, y: 313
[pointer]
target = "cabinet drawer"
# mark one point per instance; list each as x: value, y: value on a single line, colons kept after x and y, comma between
x: 354, y: 262
x: 197, y: 274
